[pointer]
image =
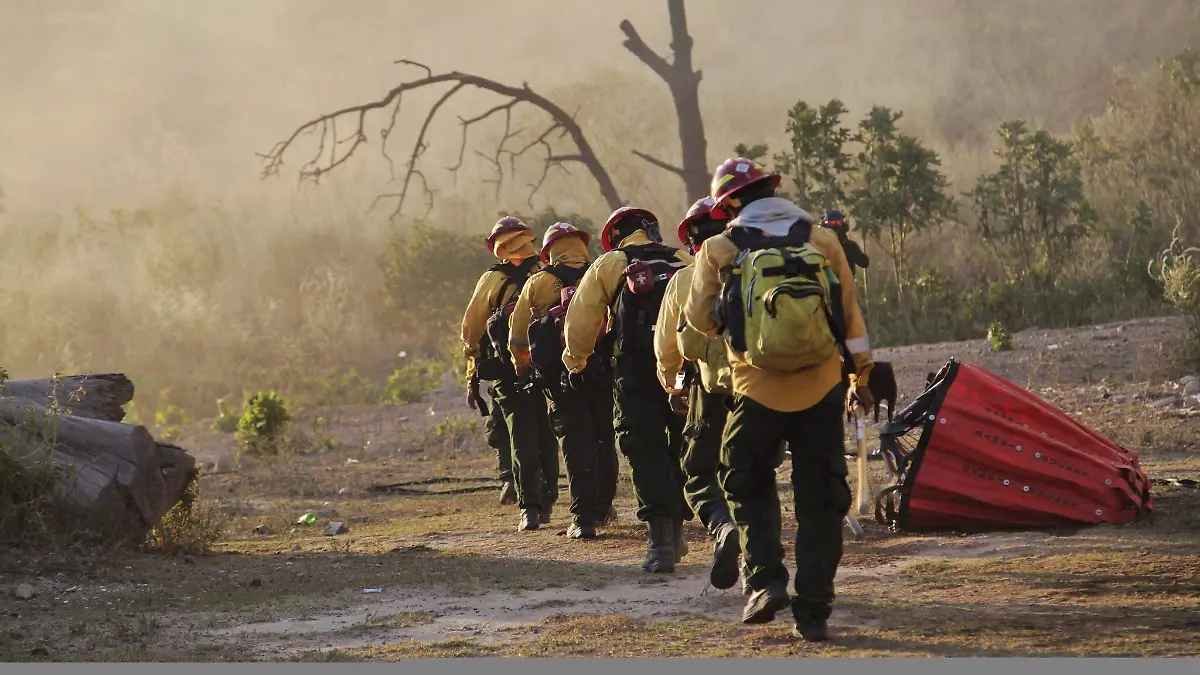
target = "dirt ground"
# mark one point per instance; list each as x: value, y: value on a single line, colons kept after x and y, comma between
x: 448, y: 575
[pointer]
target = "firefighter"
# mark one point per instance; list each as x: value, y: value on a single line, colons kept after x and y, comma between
x: 582, y: 420
x: 534, y: 451
x: 855, y: 256
x: 803, y: 408
x: 627, y: 283
x: 705, y: 399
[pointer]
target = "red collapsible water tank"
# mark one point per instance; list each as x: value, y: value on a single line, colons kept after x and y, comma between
x: 977, y: 452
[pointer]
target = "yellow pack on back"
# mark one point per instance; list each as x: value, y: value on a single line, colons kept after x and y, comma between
x: 778, y: 308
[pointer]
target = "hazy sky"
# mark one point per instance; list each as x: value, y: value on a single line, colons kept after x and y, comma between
x: 106, y: 101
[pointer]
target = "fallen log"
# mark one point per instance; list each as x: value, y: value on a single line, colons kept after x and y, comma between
x: 113, y: 478
x: 99, y: 397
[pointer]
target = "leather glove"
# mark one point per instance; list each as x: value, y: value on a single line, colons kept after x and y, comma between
x: 859, y: 396
x: 474, y: 400
x: 572, y: 381
x: 679, y: 402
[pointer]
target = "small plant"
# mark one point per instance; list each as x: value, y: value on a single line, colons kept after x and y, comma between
x: 998, y: 337
x: 134, y: 415
x: 227, y: 417
x: 169, y: 419
x: 27, y: 479
x: 262, y: 423
x: 1177, y: 270
x: 456, y: 430
x: 408, y: 383
x: 323, y: 440
x: 188, y: 528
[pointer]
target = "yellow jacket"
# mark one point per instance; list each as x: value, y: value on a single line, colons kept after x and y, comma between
x: 673, y: 345
x: 484, y: 299
x: 787, y: 392
x: 593, y: 300
x: 542, y: 292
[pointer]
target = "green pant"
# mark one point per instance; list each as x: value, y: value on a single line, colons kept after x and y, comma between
x: 497, y: 438
x: 534, y: 448
x: 822, y: 495
x: 706, y: 417
x: 649, y: 434
x: 583, y: 423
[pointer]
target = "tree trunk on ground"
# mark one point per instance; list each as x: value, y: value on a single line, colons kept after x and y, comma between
x: 113, y: 478
x: 99, y: 397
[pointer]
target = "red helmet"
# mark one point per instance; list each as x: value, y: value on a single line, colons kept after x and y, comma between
x: 619, y: 215
x: 558, y: 231
x: 835, y: 220
x: 505, y: 224
x: 705, y: 206
x: 734, y: 174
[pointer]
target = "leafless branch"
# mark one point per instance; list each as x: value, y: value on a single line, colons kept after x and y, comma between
x: 498, y: 181
x: 385, y: 134
x: 331, y: 154
x: 415, y: 64
x: 419, y: 147
x: 659, y: 163
x: 640, y: 49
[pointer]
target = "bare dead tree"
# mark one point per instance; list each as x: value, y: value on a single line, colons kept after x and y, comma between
x: 684, y: 84
x: 333, y: 149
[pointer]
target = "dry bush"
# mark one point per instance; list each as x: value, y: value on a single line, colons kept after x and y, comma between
x: 189, y: 527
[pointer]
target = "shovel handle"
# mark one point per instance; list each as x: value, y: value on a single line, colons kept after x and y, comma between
x: 860, y: 439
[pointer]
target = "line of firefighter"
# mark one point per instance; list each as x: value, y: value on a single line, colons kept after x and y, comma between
x: 702, y: 429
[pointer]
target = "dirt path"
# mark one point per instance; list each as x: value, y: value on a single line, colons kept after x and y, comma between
x: 438, y: 614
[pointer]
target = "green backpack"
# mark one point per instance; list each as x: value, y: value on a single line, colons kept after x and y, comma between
x: 781, y: 301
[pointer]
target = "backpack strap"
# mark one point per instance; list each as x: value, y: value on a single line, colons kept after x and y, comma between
x: 513, y: 275
x: 566, y: 275
x: 650, y: 251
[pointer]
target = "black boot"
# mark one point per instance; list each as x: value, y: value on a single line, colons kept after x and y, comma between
x: 530, y: 519
x: 811, y: 630
x: 678, y: 540
x: 546, y: 513
x: 609, y: 517
x: 727, y: 547
x: 581, y: 529
x: 660, y: 558
x: 508, y: 493
x: 762, y: 606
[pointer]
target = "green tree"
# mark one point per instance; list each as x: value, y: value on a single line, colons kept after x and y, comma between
x: 901, y: 190
x: 817, y: 162
x: 1146, y: 149
x: 755, y: 152
x: 1032, y: 211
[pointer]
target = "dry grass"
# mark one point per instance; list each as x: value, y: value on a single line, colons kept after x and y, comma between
x: 1132, y: 590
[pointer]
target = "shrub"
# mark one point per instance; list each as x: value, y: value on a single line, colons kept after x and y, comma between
x: 999, y: 339
x: 188, y: 527
x: 169, y: 420
x: 27, y: 479
x: 456, y: 430
x: 408, y: 383
x: 227, y: 417
x: 262, y: 424
x: 1177, y: 270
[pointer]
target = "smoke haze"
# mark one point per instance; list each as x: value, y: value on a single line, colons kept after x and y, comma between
x: 108, y: 102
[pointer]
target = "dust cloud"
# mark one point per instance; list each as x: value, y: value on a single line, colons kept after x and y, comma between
x: 109, y: 102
